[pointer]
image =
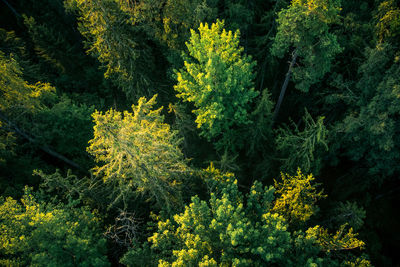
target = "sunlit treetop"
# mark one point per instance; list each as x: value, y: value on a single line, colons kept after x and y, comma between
x: 139, y: 151
x: 303, y: 28
x: 217, y: 78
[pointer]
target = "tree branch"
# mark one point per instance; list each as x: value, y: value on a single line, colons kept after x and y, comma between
x: 44, y: 147
x: 12, y: 9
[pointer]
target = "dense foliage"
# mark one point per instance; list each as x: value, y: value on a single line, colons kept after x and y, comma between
x: 233, y: 230
x: 218, y: 80
x: 35, y: 233
x: 278, y: 144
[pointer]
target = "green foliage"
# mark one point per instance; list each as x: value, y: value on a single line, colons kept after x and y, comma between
x: 7, y: 143
x: 37, y: 234
x: 89, y: 190
x: 238, y: 14
x: 218, y: 79
x: 13, y: 46
x: 297, y: 197
x: 53, y: 50
x: 388, y: 17
x: 220, y: 231
x: 120, y: 46
x: 35, y: 108
x: 17, y: 96
x: 233, y: 230
x: 179, y: 16
x: 349, y: 213
x: 302, y: 148
x: 345, y: 60
x: 260, y: 133
x: 140, y: 152
x: 64, y: 125
x: 370, y: 132
x: 304, y: 28
x: 341, y: 240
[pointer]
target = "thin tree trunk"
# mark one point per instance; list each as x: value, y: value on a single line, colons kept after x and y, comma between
x: 44, y: 148
x: 12, y: 9
x: 284, y: 86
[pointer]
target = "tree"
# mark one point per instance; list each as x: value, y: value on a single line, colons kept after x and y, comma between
x: 18, y: 96
x: 303, y: 148
x: 388, y: 25
x: 218, y: 79
x: 139, y: 152
x: 121, y: 47
x: 39, y: 234
x: 369, y: 132
x: 297, y: 196
x: 303, y: 29
x: 170, y: 21
x: 35, y: 113
x: 232, y: 230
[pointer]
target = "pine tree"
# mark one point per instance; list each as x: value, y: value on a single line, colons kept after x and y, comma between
x: 303, y: 148
x: 39, y: 234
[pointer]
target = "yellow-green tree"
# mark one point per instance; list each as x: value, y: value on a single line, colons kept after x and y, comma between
x: 38, y: 234
x: 231, y: 229
x: 139, y: 152
x: 296, y: 197
x: 218, y: 79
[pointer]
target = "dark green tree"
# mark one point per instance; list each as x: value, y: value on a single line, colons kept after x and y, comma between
x: 304, y: 31
x: 370, y: 130
x: 123, y: 49
x: 303, y: 148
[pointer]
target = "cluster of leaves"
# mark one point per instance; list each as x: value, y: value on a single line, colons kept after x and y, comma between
x: 303, y: 28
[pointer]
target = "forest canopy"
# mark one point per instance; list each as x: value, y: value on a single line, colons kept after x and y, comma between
x: 199, y: 132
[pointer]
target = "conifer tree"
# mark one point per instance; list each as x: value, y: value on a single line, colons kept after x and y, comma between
x: 218, y: 79
x: 303, y: 30
x: 370, y: 129
x: 122, y: 48
x: 39, y: 234
x: 303, y: 148
x: 231, y: 229
x: 139, y: 152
